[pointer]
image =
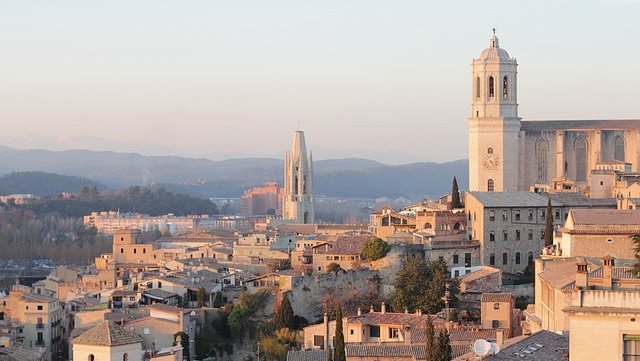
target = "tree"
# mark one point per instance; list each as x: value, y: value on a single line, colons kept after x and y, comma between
x: 455, y: 194
x: 430, y: 339
x: 217, y: 301
x: 272, y: 349
x: 238, y: 318
x: 202, y: 297
x: 548, y: 229
x: 635, y: 239
x: 340, y: 352
x: 333, y: 267
x: 375, y: 248
x: 411, y: 285
x: 442, y: 351
x: 421, y: 285
x: 285, y: 317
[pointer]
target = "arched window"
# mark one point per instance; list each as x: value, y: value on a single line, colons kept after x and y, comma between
x: 91, y: 357
x: 505, y: 88
x: 489, y: 150
x: 457, y: 226
x: 490, y: 185
x: 427, y: 225
x: 125, y: 357
x: 542, y: 155
x: 478, y: 87
x: 491, y: 87
x: 581, y: 159
x: 618, y: 148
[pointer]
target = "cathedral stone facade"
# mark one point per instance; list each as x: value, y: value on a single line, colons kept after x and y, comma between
x: 507, y: 154
x: 298, y: 202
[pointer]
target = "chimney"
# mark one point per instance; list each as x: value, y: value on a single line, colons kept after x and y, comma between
x: 383, y: 308
x: 326, y: 332
x: 407, y: 335
x: 406, y: 310
x: 418, y: 312
x: 581, y: 276
x: 371, y: 309
x: 359, y: 311
x: 607, y: 271
x: 500, y: 337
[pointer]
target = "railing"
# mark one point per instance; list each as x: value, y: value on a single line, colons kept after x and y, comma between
x: 39, y: 325
x: 40, y: 343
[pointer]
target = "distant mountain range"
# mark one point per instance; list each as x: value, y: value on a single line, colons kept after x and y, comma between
x: 349, y: 177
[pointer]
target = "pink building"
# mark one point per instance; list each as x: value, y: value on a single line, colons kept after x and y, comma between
x: 263, y: 200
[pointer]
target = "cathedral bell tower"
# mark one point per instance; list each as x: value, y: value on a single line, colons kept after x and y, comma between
x: 494, y: 125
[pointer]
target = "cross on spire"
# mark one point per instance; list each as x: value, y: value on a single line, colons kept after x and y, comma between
x: 494, y: 31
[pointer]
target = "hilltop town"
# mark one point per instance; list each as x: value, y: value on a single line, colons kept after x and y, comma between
x: 536, y: 260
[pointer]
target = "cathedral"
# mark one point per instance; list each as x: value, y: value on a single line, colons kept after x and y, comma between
x: 508, y: 154
x: 298, y: 203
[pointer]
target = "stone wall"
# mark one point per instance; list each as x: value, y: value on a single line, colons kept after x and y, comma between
x: 356, y: 288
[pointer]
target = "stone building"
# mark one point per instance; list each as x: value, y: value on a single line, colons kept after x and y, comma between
x: 508, y: 154
x: 597, y: 232
x: 298, y: 202
x: 510, y: 225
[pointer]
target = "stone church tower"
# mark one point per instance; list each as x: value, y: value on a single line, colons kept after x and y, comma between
x: 494, y: 125
x: 298, y: 202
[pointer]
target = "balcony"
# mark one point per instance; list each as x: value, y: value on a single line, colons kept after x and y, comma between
x: 40, y: 325
x: 40, y: 343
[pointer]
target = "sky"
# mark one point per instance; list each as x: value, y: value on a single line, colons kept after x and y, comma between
x: 196, y: 77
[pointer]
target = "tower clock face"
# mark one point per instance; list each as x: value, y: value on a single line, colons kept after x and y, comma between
x: 490, y: 161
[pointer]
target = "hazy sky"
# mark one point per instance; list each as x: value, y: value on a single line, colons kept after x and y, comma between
x: 195, y: 77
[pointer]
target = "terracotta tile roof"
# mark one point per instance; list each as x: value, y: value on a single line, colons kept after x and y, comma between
x: 169, y: 308
x: 107, y: 333
x: 598, y: 217
x: 496, y: 297
x: 484, y: 271
x: 310, y: 355
x: 351, y: 245
x: 559, y: 273
x: 471, y: 335
x: 159, y: 294
x: 415, y: 351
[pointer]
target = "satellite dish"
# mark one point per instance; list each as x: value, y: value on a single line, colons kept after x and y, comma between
x: 495, y: 348
x: 481, y: 347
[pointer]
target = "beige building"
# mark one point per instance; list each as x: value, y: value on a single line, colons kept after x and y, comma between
x: 108, y: 342
x: 262, y: 200
x: 344, y: 251
x: 39, y: 319
x: 507, y: 154
x: 560, y: 282
x: 498, y: 310
x: 597, y: 232
x: 110, y: 222
x: 298, y: 203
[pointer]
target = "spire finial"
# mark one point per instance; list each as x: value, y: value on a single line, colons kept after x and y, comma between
x: 494, y: 31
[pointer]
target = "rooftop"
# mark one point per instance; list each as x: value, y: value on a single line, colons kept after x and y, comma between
x: 513, y: 199
x: 496, y: 297
x: 107, y: 333
x: 598, y: 217
x: 602, y: 124
x: 543, y: 345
